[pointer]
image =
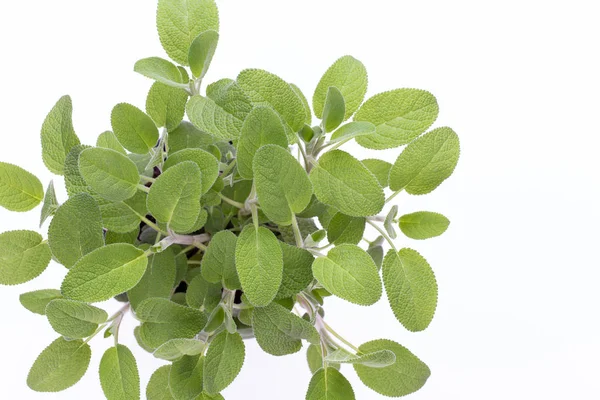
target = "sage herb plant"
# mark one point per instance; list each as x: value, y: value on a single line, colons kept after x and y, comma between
x: 236, y: 224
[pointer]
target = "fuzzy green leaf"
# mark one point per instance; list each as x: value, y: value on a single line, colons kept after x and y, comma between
x: 160, y: 70
x: 262, y: 126
x: 297, y: 270
x: 407, y: 375
x: 166, y: 105
x: 23, y: 256
x: 345, y: 229
x: 423, y: 225
x: 37, y: 300
x: 179, y: 22
x: 58, y: 135
x: 119, y: 374
x: 350, y: 273
x: 187, y: 136
x: 157, y: 280
x: 61, y: 365
x: 74, y: 182
x: 19, y: 189
x: 376, y: 359
x: 341, y: 181
x: 426, y: 163
x: 174, y: 198
x: 185, y: 377
x: 73, y: 319
x: 76, y: 229
x: 176, y: 348
x: 379, y: 168
x: 218, y: 262
x: 282, y: 185
x: 224, y: 361
x: 259, y: 263
x: 302, y: 97
x: 400, y: 116
x: 50, y: 204
x: 123, y: 216
x: 158, y: 386
x: 352, y: 130
x: 202, y: 50
x: 329, y: 384
x: 411, y: 288
x: 208, y: 164
x: 135, y: 130
x: 108, y: 140
x: 203, y: 295
x: 105, y: 273
x: 334, y: 110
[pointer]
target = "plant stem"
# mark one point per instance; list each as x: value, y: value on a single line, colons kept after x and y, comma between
x: 384, y: 234
x: 147, y: 179
x: 393, y: 195
x: 143, y: 188
x: 229, y: 201
x: 153, y: 225
x: 297, y: 233
x: 338, y: 336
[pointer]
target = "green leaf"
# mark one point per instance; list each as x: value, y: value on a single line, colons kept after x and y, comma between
x: 73, y: 319
x: 119, y: 374
x: 157, y: 280
x: 76, y: 229
x: 160, y: 70
x: 202, y: 51
x: 314, y: 357
x: 379, y: 168
x: 127, y: 237
x: 426, y: 163
x: 279, y: 332
x: 307, y: 226
x: 208, y: 164
x: 218, y: 262
x: 179, y: 22
x: 400, y: 116
x: 407, y: 375
x: 166, y: 105
x: 349, y: 272
x: 376, y: 359
x: 134, y: 129
x: 388, y: 223
x: 302, y: 97
x: 61, y: 365
x: 158, y: 386
x: 123, y: 216
x: 74, y: 182
x: 224, y: 361
x: 221, y: 114
x: 329, y: 384
x: 50, y: 204
x: 282, y: 185
x: 187, y: 136
x: 185, y: 377
x: 23, y: 256
x: 262, y: 126
x: 174, y: 349
x: 334, y: 110
x: 265, y: 88
x: 348, y: 75
x: 423, y: 225
x: 352, y: 130
x: 375, y: 250
x: 259, y: 263
x: 37, y: 300
x: 19, y: 189
x: 345, y: 229
x: 341, y: 181
x: 297, y: 270
x: 58, y: 135
x: 411, y: 288
x: 164, y: 320
x: 105, y: 273
x: 109, y: 173
x: 203, y: 295
x: 108, y: 140
x: 174, y: 198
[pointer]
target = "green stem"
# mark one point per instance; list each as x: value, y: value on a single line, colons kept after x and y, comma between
x: 189, y: 248
x: 153, y: 225
x: 393, y: 195
x: 147, y: 179
x: 384, y: 234
x: 143, y: 188
x: 297, y: 233
x: 229, y: 201
x: 339, y: 337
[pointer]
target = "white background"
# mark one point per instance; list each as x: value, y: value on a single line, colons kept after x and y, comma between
x: 518, y: 269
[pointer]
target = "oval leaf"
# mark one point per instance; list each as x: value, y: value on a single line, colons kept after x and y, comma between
x: 119, y: 374
x: 202, y: 51
x: 160, y: 70
x: 58, y: 135
x: 73, y: 319
x: 329, y: 384
x: 177, y: 348
x: 208, y: 164
x: 134, y: 129
x: 335, y: 107
x: 37, y: 300
x: 23, y: 256
x: 218, y: 262
x: 166, y: 105
x: 19, y: 189
x: 158, y: 386
x: 224, y: 361
x: 423, y: 225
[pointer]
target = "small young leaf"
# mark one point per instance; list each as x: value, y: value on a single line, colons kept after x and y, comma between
x: 180, y: 21
x: 265, y: 88
x: 208, y: 164
x: 160, y: 70
x: 157, y: 280
x: 109, y: 173
x: 375, y: 250
x: 187, y: 136
x: 379, y: 168
x: 314, y: 357
x: 166, y: 105
x: 400, y: 116
x: 218, y: 262
x: 426, y: 163
x: 407, y: 375
x: 348, y: 75
x: 23, y: 256
x: 279, y: 332
x: 158, y: 386
x: 185, y: 377
x: 50, y: 204
x: 334, y: 110
x: 297, y: 270
x: 349, y: 272
x: 61, y: 365
x: 376, y: 359
x: 388, y: 223
x: 411, y: 288
x: 108, y: 140
x: 134, y: 129
x: 73, y: 319
x: 174, y: 349
x: 37, y: 300
x: 105, y: 273
x: 423, y: 225
x: 352, y: 130
x: 19, y: 189
x: 76, y: 229
x: 282, y: 185
x: 58, y: 135
x: 262, y: 126
x: 329, y: 384
x: 259, y: 263
x: 174, y: 198
x: 203, y: 295
x: 341, y: 181
x: 119, y: 374
x: 224, y: 361
x: 345, y: 229
x: 202, y: 50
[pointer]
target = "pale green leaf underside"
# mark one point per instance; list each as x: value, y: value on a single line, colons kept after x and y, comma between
x: 376, y: 359
x: 160, y: 70
x: 335, y: 108
x: 423, y: 225
x: 37, y: 300
x: 202, y: 50
x: 23, y: 256
x: 176, y: 348
x: 352, y: 130
x: 19, y: 190
x: 58, y: 135
x: 119, y: 374
x: 50, y: 203
x: 108, y: 140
